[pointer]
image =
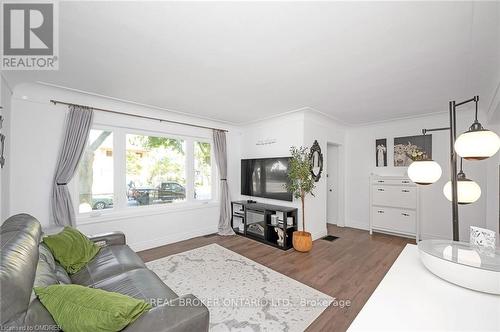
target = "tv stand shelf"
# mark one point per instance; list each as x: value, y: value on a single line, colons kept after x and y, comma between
x: 254, y: 220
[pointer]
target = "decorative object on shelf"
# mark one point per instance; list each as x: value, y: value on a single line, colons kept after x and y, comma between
x: 238, y: 224
x: 274, y: 219
x: 267, y: 141
x: 381, y: 152
x: 475, y: 144
x: 2, y: 145
x: 462, y: 264
x: 316, y: 161
x: 410, y: 148
x: 289, y: 221
x: 280, y: 215
x: 482, y: 238
x: 301, y: 183
x: 281, y: 236
x: 468, y: 191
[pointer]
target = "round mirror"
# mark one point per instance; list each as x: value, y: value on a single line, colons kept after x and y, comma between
x: 316, y: 158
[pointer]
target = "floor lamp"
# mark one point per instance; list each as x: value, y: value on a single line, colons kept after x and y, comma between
x: 475, y: 144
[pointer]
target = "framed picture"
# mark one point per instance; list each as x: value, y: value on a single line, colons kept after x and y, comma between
x: 408, y: 148
x: 381, y: 152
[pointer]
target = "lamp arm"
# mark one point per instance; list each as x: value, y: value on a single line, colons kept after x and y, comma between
x: 425, y: 131
x: 475, y: 98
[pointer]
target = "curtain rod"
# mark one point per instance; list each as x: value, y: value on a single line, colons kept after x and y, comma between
x: 137, y: 116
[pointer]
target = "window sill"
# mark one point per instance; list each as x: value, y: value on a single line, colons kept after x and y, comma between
x: 141, y: 211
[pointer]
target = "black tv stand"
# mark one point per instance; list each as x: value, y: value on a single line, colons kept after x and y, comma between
x: 254, y: 220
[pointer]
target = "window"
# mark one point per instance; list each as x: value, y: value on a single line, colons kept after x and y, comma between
x: 95, y: 172
x: 202, y: 170
x: 155, y: 170
x: 129, y: 171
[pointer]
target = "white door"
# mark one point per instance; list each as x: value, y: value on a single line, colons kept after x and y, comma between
x: 332, y: 184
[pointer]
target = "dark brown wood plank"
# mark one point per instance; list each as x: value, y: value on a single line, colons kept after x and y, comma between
x: 349, y: 268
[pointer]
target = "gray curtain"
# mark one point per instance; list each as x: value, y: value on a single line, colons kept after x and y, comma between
x: 78, y: 125
x: 220, y: 151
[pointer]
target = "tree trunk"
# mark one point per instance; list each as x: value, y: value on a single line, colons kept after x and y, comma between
x: 302, y: 197
x: 86, y: 175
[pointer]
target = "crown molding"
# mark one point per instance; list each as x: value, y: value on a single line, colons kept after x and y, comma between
x: 408, y: 117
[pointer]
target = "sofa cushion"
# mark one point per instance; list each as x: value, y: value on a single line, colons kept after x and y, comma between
x: 79, y: 308
x: 72, y: 249
x: 141, y: 284
x: 20, y: 236
x: 109, y: 261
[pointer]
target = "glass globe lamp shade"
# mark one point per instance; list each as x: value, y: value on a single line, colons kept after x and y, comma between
x: 424, y: 172
x: 468, y: 191
x: 477, y: 144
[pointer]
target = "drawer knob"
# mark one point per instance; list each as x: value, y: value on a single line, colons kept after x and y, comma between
x: 405, y: 190
x: 405, y: 214
x: 379, y: 189
x: 380, y: 211
x: 405, y: 181
x: 380, y: 181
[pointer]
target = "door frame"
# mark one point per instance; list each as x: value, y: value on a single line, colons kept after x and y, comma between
x: 341, y: 183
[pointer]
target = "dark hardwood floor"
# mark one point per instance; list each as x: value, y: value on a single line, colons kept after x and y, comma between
x: 349, y: 268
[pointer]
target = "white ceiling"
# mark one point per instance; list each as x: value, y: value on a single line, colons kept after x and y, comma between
x: 358, y: 62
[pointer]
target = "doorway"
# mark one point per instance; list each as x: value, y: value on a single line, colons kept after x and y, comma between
x: 333, y: 188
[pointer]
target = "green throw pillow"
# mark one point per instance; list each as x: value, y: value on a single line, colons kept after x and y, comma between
x: 79, y: 308
x: 71, y: 249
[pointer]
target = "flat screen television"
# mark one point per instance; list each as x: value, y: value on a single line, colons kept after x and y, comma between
x: 265, y: 178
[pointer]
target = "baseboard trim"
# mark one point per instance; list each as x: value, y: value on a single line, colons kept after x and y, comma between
x: 317, y: 236
x: 358, y: 225
x: 158, y: 242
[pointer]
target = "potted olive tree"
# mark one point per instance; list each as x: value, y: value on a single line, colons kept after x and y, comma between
x: 300, y: 183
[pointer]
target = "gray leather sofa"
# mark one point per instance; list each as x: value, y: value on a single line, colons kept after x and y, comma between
x: 26, y: 263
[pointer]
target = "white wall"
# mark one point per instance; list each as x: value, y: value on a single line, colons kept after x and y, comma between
x: 285, y: 131
x: 295, y: 129
x: 436, y: 210
x: 37, y: 128
x: 324, y: 130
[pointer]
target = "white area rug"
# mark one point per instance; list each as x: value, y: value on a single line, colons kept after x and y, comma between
x: 241, y: 294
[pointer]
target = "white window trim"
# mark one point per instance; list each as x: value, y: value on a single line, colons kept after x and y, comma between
x: 120, y: 209
x: 214, y: 176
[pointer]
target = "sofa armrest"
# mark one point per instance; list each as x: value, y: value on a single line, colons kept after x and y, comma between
x: 183, y: 314
x: 108, y: 239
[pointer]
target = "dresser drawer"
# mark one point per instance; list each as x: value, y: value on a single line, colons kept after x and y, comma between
x: 397, y: 220
x: 398, y: 196
x: 383, y: 181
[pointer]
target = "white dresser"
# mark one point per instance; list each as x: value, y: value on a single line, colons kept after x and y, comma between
x: 394, y: 206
